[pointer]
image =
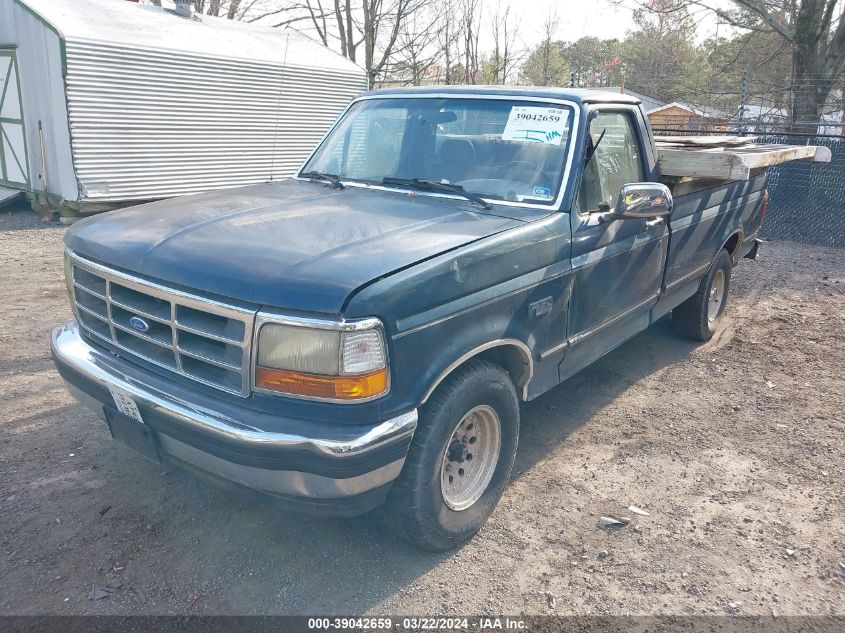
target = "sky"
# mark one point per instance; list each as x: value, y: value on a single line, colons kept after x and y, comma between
x: 578, y: 18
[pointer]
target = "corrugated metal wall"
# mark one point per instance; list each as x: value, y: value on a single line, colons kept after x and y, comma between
x: 152, y: 124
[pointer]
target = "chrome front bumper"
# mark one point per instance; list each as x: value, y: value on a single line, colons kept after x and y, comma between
x: 271, y: 454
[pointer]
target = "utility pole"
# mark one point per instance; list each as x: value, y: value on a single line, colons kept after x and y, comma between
x: 842, y: 101
x: 842, y: 124
x: 624, y: 69
x: 743, y: 98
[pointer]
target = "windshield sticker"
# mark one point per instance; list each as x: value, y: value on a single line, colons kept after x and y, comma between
x: 536, y: 125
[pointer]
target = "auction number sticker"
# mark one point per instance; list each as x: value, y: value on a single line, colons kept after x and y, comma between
x: 536, y: 125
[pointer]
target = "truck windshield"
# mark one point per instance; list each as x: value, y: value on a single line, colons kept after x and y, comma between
x: 498, y: 149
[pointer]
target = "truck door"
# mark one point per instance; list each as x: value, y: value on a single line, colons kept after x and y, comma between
x: 617, y: 265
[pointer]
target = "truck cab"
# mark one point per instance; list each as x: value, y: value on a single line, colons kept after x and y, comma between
x: 364, y: 332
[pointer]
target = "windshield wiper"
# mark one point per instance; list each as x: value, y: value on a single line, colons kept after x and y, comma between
x: 433, y: 185
x: 329, y: 178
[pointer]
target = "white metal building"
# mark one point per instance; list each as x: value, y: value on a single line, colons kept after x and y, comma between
x: 104, y: 101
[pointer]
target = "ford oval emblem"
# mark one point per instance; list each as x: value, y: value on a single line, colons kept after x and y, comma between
x: 139, y: 324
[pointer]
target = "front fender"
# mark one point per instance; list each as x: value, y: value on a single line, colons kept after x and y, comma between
x: 509, y: 289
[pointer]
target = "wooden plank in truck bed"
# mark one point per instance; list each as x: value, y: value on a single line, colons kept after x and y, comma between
x: 731, y: 163
x: 705, y: 141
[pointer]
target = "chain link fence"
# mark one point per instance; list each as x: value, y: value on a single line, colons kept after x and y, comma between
x: 806, y: 200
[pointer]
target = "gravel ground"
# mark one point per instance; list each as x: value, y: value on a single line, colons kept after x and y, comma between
x: 734, y: 447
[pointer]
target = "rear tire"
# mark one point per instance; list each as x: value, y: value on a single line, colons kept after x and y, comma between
x: 460, y: 458
x: 700, y: 316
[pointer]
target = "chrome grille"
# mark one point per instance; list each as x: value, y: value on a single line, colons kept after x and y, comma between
x: 202, y: 339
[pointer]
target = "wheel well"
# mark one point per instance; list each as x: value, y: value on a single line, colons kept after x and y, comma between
x: 512, y: 359
x: 733, y: 244
x: 513, y: 356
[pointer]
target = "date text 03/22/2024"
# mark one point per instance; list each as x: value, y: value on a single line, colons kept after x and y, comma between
x: 418, y: 624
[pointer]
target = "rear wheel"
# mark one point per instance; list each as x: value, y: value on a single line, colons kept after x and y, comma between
x: 460, y: 459
x: 700, y: 316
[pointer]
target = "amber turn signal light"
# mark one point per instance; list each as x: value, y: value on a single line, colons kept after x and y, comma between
x: 333, y: 387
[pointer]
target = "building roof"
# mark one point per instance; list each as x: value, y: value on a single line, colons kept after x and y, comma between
x: 150, y: 27
x: 649, y: 103
x: 751, y: 111
x: 578, y: 95
x: 711, y: 113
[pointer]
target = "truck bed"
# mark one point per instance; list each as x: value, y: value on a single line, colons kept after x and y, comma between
x: 727, y: 158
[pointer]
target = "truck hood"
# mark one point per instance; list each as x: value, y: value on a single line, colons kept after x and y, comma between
x: 290, y: 244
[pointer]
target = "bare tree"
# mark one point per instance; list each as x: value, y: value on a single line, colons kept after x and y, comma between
x: 318, y: 19
x: 345, y: 28
x: 504, y: 54
x: 384, y: 36
x: 382, y: 22
x: 545, y: 66
x: 416, y: 49
x: 447, y: 37
x: 284, y: 12
x: 550, y: 28
x: 470, y: 20
x: 213, y: 7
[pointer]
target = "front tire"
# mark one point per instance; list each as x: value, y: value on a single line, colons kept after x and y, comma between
x: 460, y: 458
x: 700, y: 316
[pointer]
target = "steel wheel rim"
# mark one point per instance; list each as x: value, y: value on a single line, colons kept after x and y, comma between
x: 470, y: 458
x: 717, y: 295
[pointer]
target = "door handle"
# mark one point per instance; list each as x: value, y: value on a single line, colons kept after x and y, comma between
x: 653, y: 224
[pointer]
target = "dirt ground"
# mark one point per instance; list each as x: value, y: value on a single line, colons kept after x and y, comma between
x: 735, y: 448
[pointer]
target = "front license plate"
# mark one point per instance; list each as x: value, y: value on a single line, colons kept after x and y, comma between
x: 136, y: 435
x: 125, y: 404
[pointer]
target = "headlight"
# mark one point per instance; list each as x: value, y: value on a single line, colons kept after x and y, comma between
x: 334, y: 364
x: 295, y: 348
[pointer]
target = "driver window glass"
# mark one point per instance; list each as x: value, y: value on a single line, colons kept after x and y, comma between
x: 616, y: 161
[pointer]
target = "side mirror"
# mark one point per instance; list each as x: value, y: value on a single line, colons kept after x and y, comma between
x: 641, y: 200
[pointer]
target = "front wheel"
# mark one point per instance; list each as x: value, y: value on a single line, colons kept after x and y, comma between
x: 460, y: 458
x: 700, y: 316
